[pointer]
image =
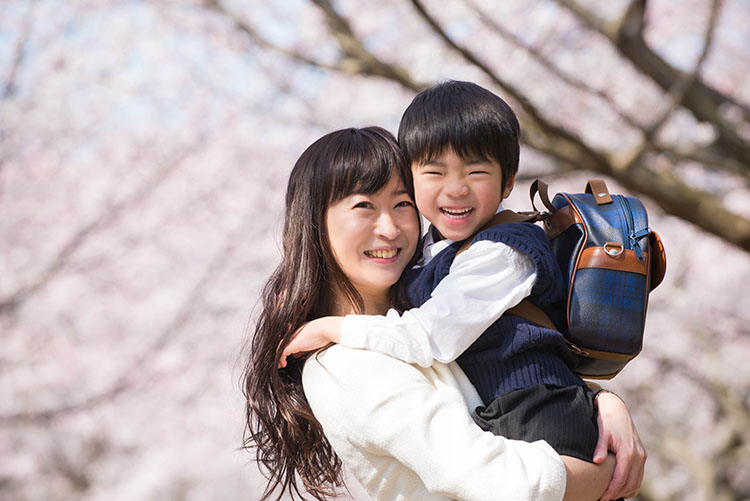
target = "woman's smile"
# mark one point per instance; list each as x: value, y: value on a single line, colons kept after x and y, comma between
x: 387, y: 255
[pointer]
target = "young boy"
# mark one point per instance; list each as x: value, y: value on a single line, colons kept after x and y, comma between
x: 463, y: 144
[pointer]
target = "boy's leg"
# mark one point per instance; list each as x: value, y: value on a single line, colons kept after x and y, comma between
x: 564, y: 417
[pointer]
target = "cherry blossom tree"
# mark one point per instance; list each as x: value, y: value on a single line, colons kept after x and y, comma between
x: 144, y: 150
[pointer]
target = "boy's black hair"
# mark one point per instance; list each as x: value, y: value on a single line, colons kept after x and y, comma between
x: 466, y: 117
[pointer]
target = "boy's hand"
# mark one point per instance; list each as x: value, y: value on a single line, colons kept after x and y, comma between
x: 617, y: 433
x: 311, y: 336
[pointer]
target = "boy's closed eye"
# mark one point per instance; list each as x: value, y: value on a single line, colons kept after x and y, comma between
x: 431, y: 168
x: 477, y: 166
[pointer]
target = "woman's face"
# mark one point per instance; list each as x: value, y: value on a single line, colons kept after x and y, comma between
x: 373, y: 237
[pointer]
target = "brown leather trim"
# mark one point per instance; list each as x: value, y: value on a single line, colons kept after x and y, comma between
x: 598, y: 188
x: 608, y: 376
x: 658, y: 260
x: 597, y: 257
x: 561, y: 220
x: 576, y: 216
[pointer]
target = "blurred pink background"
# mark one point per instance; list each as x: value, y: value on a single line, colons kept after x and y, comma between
x: 144, y: 152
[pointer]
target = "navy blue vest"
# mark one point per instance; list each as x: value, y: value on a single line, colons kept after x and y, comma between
x: 513, y: 352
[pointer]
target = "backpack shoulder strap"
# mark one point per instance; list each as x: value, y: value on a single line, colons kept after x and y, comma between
x: 504, y: 217
x: 525, y: 309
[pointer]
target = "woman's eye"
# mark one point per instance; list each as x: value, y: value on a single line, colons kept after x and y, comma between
x: 479, y: 172
x: 362, y: 205
x: 405, y: 203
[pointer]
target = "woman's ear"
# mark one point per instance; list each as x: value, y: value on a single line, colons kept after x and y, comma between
x: 509, y: 187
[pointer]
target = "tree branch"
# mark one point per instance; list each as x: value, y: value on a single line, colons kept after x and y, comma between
x: 539, y: 132
x: 702, y: 100
x: 676, y: 94
x: 255, y: 37
x: 355, y: 58
x: 358, y: 59
x: 18, y: 54
x: 550, y: 65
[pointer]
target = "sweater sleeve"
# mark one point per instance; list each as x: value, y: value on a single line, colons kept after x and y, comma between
x: 484, y: 282
x: 405, y: 432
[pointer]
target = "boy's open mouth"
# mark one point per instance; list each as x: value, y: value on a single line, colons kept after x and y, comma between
x: 382, y: 253
x: 457, y: 213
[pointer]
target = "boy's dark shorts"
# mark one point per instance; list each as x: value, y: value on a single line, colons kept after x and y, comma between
x: 564, y: 417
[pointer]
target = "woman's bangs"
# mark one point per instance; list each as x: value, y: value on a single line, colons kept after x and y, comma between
x: 367, y: 169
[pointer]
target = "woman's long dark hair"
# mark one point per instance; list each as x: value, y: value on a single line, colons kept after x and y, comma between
x: 289, y: 442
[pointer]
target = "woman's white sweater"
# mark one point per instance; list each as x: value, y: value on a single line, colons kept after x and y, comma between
x: 406, y: 434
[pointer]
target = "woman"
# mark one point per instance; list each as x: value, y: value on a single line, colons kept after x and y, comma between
x: 350, y: 230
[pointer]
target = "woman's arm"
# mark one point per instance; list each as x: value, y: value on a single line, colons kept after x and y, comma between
x: 587, y: 480
x: 403, y: 429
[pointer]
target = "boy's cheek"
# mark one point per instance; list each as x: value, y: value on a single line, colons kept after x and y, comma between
x: 421, y: 198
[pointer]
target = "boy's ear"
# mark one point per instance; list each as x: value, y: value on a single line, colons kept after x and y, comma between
x: 509, y: 187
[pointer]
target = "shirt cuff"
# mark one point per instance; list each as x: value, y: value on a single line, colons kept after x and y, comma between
x: 353, y: 329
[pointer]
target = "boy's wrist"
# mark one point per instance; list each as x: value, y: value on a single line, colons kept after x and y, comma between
x: 331, y: 330
x: 602, y: 393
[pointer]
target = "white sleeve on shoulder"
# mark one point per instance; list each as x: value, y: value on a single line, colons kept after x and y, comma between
x: 406, y: 431
x: 484, y: 281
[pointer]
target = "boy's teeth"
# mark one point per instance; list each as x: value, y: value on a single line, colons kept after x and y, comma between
x: 456, y: 213
x: 381, y: 253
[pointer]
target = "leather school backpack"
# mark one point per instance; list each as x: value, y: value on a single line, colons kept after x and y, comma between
x: 610, y: 261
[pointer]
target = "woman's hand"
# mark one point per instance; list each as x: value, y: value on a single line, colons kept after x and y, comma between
x: 311, y: 336
x: 617, y: 433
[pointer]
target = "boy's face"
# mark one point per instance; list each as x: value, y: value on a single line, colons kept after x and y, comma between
x: 458, y: 196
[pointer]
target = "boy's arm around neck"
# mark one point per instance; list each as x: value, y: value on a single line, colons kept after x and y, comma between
x: 484, y: 282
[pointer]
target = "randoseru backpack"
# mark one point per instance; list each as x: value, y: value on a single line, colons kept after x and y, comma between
x: 610, y: 260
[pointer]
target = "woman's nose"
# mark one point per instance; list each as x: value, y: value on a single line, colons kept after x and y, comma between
x: 387, y: 227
